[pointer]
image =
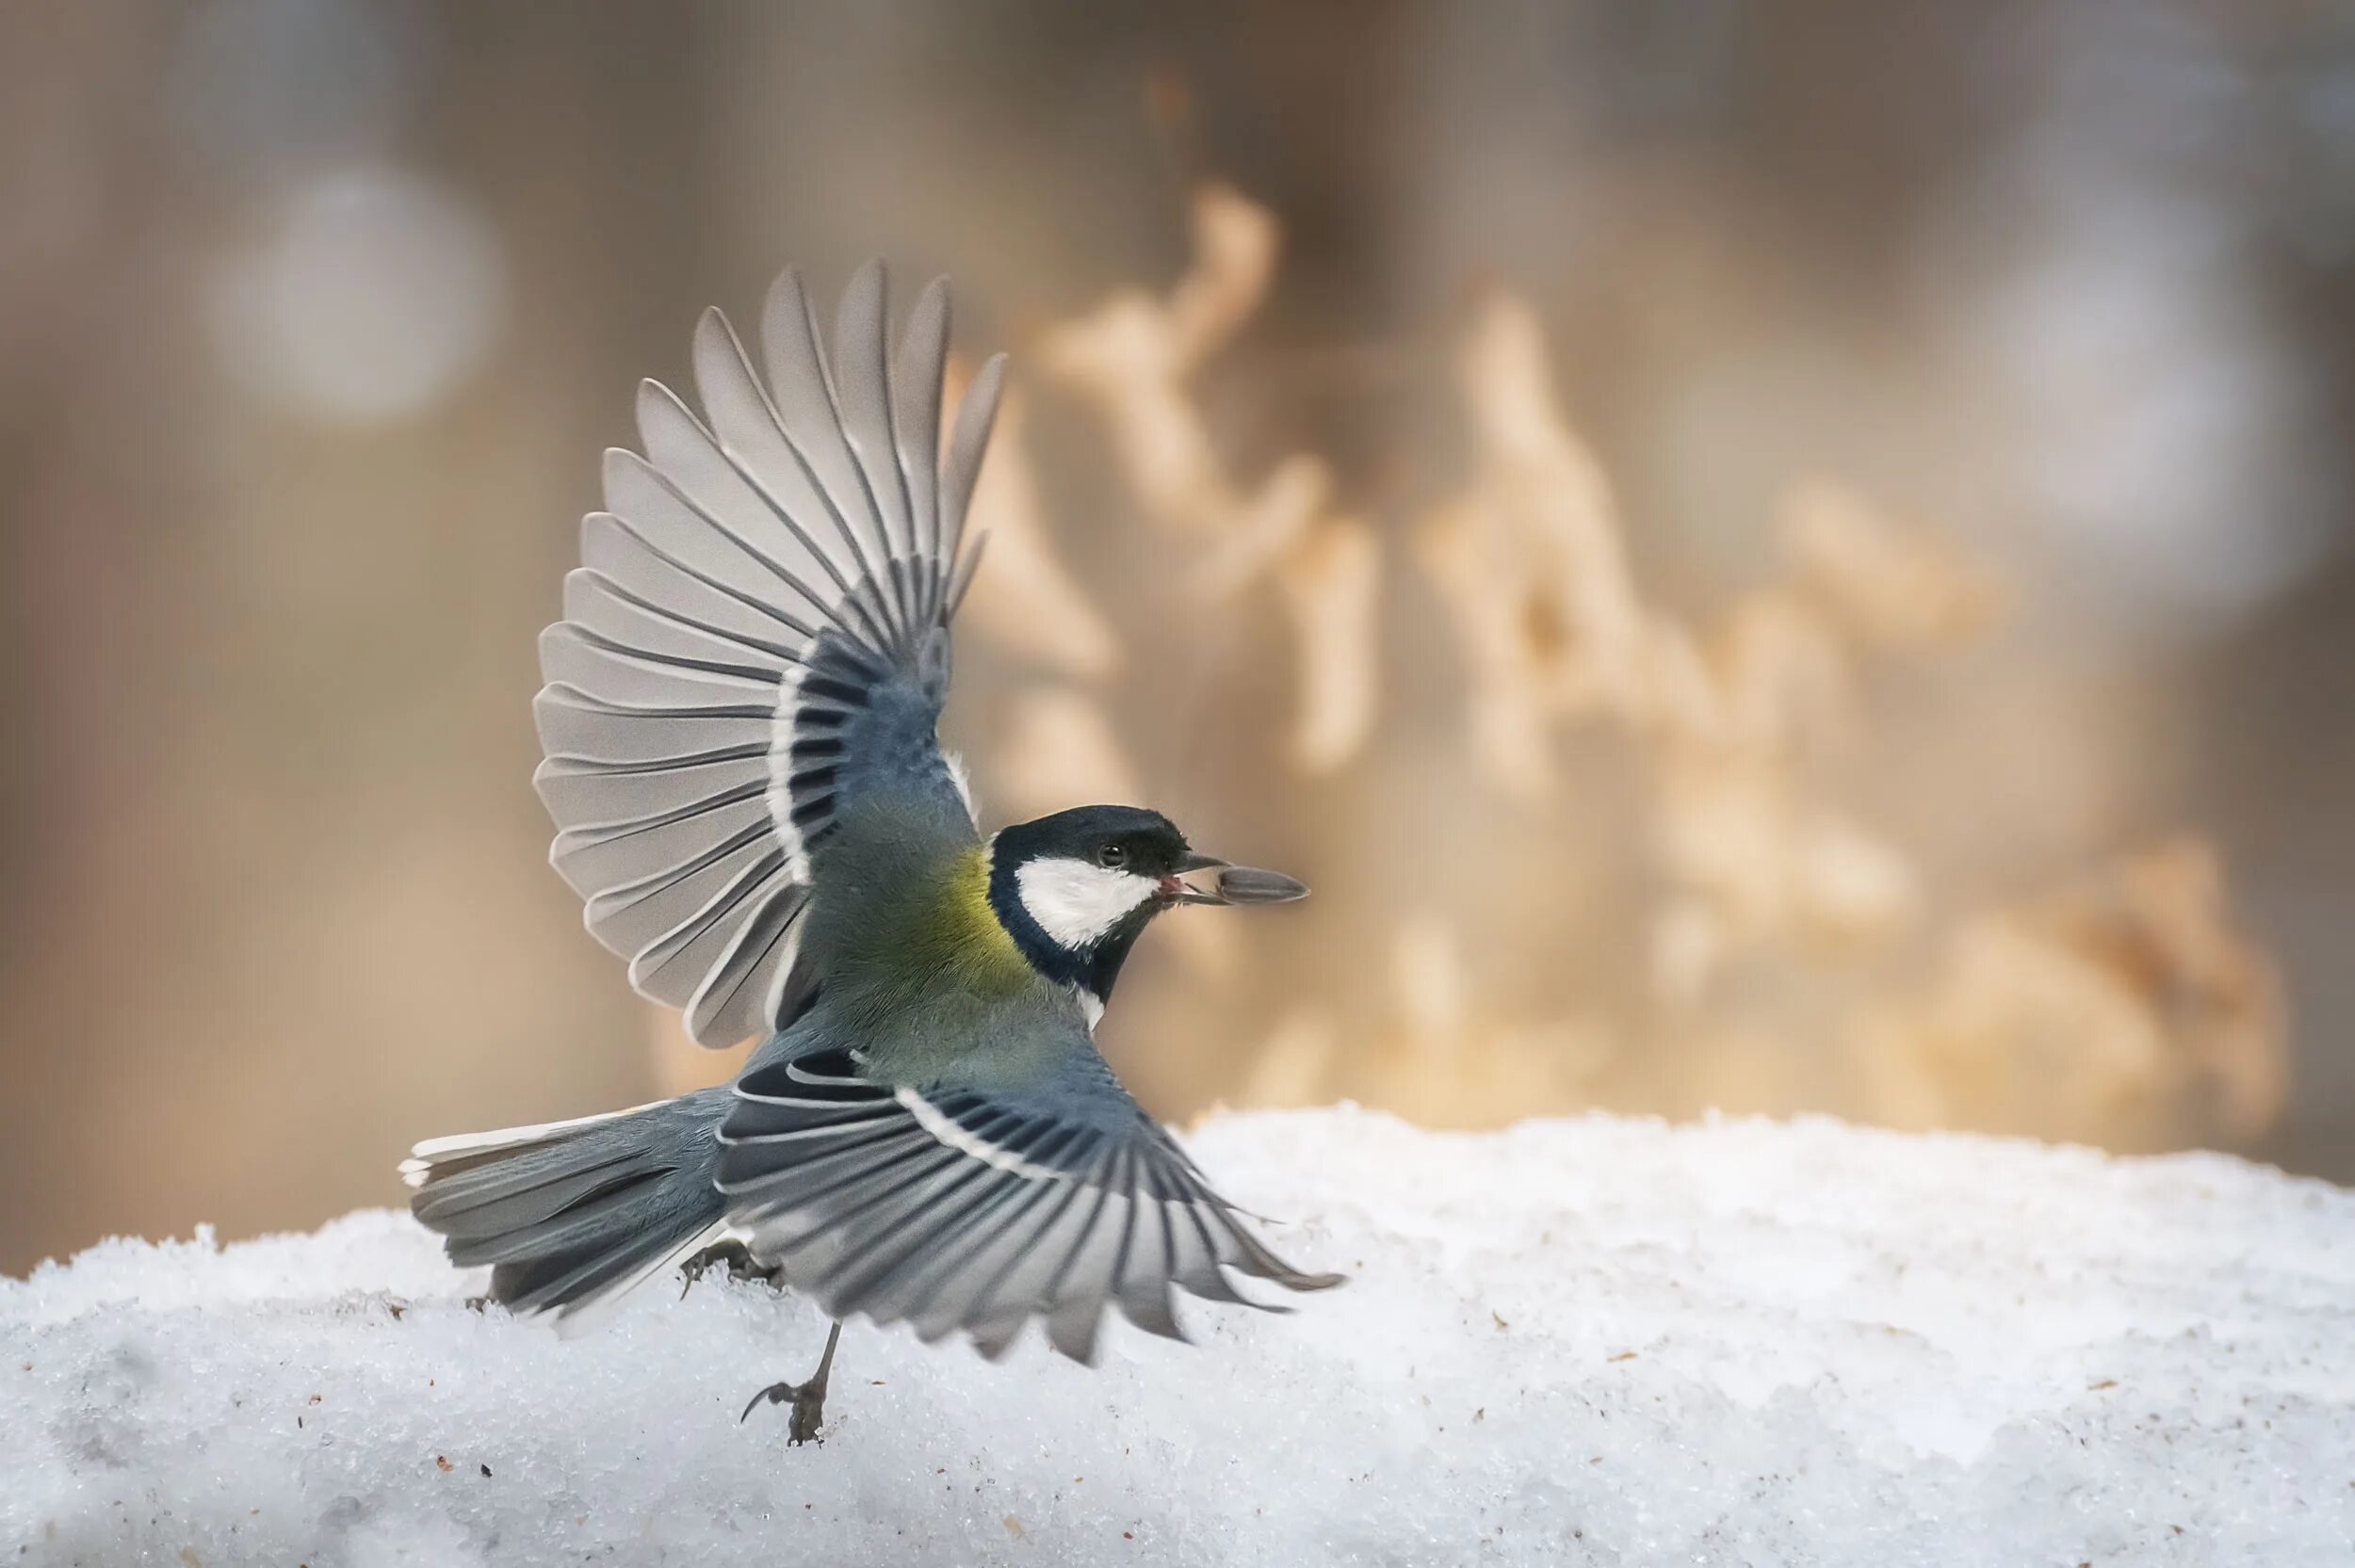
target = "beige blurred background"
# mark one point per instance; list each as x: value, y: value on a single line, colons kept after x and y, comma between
x: 1769, y: 556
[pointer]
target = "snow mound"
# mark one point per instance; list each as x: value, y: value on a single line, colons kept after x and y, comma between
x: 1575, y: 1341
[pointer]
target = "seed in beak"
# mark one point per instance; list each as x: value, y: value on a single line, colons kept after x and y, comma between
x: 1248, y: 884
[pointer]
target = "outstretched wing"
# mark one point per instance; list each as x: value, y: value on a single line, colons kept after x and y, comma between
x: 965, y: 1208
x: 758, y: 634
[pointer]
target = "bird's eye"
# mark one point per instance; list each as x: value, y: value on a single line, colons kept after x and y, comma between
x: 1111, y: 856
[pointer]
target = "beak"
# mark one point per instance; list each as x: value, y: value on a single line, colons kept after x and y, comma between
x: 1234, y: 884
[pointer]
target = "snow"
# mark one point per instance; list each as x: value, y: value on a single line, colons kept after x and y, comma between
x: 1586, y: 1341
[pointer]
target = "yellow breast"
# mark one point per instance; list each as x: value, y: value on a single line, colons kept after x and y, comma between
x: 965, y: 933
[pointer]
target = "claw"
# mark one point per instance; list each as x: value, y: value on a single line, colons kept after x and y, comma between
x: 808, y: 1399
x: 809, y: 1408
x: 740, y: 1263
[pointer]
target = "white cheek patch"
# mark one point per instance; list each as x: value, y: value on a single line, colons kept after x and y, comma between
x: 1074, y: 902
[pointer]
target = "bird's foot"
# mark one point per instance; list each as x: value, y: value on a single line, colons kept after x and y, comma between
x: 736, y: 1255
x: 809, y: 1408
x: 808, y: 1399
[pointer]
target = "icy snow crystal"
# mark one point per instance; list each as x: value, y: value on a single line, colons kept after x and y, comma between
x: 1584, y: 1341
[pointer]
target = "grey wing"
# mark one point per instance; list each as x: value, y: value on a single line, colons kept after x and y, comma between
x: 965, y: 1208
x: 758, y: 634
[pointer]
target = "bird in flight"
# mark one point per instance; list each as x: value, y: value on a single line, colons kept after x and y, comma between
x: 740, y: 756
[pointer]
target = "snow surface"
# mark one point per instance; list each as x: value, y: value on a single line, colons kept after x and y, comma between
x: 1576, y: 1341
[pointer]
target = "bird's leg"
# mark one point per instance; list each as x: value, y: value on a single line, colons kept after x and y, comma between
x: 809, y: 1398
x: 738, y: 1258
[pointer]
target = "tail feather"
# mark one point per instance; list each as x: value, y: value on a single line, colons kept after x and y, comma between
x: 490, y: 1206
x: 574, y: 1213
x: 462, y: 1151
x: 576, y: 1282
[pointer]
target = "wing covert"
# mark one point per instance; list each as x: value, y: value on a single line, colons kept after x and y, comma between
x: 758, y: 633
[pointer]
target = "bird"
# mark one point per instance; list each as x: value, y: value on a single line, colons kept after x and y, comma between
x: 741, y: 755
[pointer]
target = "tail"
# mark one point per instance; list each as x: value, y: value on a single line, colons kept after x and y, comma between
x: 572, y: 1213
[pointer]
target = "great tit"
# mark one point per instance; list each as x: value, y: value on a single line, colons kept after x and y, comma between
x: 741, y: 757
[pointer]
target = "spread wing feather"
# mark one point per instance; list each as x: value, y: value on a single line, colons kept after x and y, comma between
x: 758, y: 631
x: 958, y: 1208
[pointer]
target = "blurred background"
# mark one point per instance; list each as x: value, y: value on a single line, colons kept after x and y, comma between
x: 1777, y: 558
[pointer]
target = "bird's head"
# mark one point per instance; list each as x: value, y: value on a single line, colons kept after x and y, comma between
x: 1075, y: 889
